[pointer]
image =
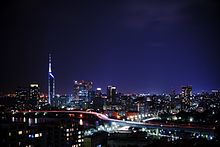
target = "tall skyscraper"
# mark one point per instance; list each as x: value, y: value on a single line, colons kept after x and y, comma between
x: 51, y: 82
x: 34, y: 95
x: 22, y: 97
x: 111, y: 94
x: 98, y: 92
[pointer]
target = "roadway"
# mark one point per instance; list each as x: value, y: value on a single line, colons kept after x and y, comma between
x: 185, y: 127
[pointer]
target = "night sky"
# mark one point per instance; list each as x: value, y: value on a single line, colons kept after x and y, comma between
x: 139, y: 46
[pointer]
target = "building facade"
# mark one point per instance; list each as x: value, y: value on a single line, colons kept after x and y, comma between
x: 81, y: 90
x: 111, y: 94
x: 34, y: 95
x: 186, y: 91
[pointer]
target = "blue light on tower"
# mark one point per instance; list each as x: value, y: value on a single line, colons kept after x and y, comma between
x: 51, y: 82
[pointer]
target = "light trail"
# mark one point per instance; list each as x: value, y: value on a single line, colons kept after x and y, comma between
x: 131, y: 123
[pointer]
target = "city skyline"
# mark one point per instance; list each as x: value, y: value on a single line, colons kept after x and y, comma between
x: 137, y: 46
x: 177, y: 90
x: 110, y: 73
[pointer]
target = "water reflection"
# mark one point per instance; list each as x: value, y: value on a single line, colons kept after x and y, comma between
x: 64, y: 129
x: 47, y: 129
x: 81, y: 122
x: 35, y: 120
x: 29, y: 121
x: 24, y: 120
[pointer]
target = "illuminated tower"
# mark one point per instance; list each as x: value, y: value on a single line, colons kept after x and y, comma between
x: 51, y: 82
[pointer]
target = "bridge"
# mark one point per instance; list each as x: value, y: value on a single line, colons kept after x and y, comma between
x: 148, y: 125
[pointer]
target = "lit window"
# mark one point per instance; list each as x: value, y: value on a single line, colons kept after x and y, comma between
x: 67, y: 134
x: 9, y: 134
x: 79, y: 140
x: 36, y: 135
x: 19, y: 132
x: 79, y: 136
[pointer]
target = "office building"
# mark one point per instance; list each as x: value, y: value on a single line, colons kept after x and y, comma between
x: 98, y: 92
x: 111, y: 94
x: 81, y: 90
x: 34, y: 95
x: 22, y: 98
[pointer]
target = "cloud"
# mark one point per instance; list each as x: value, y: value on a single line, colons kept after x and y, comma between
x: 143, y: 14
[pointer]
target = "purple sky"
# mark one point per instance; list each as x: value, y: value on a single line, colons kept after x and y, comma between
x: 138, y: 46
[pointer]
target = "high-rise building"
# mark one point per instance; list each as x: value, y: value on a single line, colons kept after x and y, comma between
x: 51, y: 82
x: 81, y: 90
x: 111, y: 94
x: 34, y: 95
x: 22, y: 98
x: 186, y: 91
x: 98, y: 92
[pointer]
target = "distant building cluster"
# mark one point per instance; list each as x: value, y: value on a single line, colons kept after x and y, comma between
x: 25, y: 98
x: 113, y: 103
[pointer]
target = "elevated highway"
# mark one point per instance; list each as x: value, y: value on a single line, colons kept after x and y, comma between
x: 79, y: 114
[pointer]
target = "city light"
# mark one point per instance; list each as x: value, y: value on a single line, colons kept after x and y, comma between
x: 155, y: 114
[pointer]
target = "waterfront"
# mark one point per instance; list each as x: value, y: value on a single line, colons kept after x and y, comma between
x: 78, y: 128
